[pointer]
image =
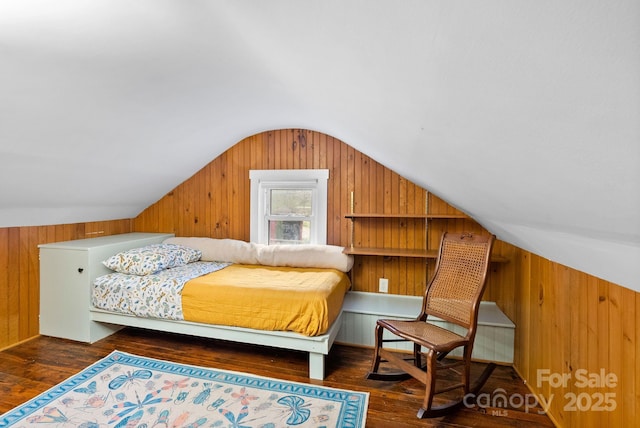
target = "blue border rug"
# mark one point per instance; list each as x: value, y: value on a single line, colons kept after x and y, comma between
x: 125, y: 390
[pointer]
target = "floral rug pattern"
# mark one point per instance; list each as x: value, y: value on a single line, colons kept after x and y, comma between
x: 125, y: 390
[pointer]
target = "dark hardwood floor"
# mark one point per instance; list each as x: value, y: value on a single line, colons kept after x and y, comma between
x: 35, y: 366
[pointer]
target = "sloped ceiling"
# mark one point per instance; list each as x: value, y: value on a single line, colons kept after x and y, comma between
x: 524, y: 114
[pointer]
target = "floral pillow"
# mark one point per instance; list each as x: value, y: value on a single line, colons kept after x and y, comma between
x: 152, y: 258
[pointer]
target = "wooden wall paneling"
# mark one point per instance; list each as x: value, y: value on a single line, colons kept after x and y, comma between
x: 143, y: 222
x: 244, y: 190
x: 537, y: 324
x: 346, y: 180
x: 215, y: 187
x: 255, y: 151
x: 279, y: 158
x: 378, y: 237
x: 288, y: 142
x: 206, y: 227
x: 336, y: 169
x: 14, y: 285
x: 238, y: 173
x: 580, y: 332
x: 158, y: 217
x: 559, y: 341
x: 387, y: 229
x: 365, y: 195
x: 523, y: 347
x: 616, y: 359
x: 196, y: 203
x: 320, y: 151
x: 271, y: 156
x: 312, y: 150
x: 635, y: 370
x: 246, y: 186
x: 577, y: 322
x: 504, y: 279
x: 176, y: 209
x: 546, y: 324
x: 603, y: 338
x: 188, y: 209
x: 629, y: 321
x: 576, y: 330
x: 348, y: 171
x: 360, y: 181
x: 231, y: 207
x: 306, y: 149
x: 22, y: 281
x: 295, y: 161
x: 202, y: 227
x: 223, y: 204
x: 236, y: 228
x: 28, y: 306
x: 5, y: 302
x: 178, y: 196
x: 286, y: 138
x: 33, y: 277
x: 594, y: 343
x: 402, y: 205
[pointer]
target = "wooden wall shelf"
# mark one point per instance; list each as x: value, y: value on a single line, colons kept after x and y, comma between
x: 386, y: 252
x: 425, y: 216
x: 397, y: 252
x: 447, y: 216
x: 403, y: 252
x: 377, y: 215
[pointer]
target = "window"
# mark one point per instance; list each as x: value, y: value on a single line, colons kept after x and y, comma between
x: 289, y: 206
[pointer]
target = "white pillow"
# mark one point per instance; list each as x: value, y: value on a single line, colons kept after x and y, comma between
x: 306, y: 255
x: 220, y: 250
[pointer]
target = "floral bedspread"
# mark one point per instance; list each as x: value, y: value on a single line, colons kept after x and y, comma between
x: 151, y: 296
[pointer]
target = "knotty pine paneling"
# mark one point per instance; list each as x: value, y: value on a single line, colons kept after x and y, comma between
x: 20, y: 267
x: 568, y: 321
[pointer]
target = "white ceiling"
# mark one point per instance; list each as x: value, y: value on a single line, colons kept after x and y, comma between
x: 524, y: 114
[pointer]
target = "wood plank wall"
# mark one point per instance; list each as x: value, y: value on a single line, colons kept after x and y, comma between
x: 575, y: 325
x: 566, y: 320
x: 20, y: 271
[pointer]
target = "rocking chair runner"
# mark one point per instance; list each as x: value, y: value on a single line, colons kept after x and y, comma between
x: 453, y: 295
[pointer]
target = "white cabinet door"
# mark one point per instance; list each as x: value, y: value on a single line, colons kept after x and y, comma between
x: 64, y: 294
x: 67, y: 270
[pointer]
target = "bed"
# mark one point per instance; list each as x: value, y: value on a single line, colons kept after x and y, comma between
x: 281, y: 296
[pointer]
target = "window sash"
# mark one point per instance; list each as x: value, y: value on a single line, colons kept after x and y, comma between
x: 264, y: 181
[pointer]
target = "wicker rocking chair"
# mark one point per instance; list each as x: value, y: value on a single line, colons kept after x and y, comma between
x: 453, y: 295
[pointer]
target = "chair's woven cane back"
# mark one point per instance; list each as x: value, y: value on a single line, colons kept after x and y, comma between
x: 459, y: 278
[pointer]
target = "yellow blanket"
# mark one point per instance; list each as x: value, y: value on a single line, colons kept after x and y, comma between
x: 303, y: 300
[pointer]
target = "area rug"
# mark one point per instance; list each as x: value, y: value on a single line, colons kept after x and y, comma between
x: 125, y: 390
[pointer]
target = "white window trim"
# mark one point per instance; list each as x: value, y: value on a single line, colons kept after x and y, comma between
x: 263, y: 179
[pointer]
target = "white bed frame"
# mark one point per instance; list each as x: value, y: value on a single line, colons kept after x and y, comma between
x: 69, y: 268
x: 316, y: 346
